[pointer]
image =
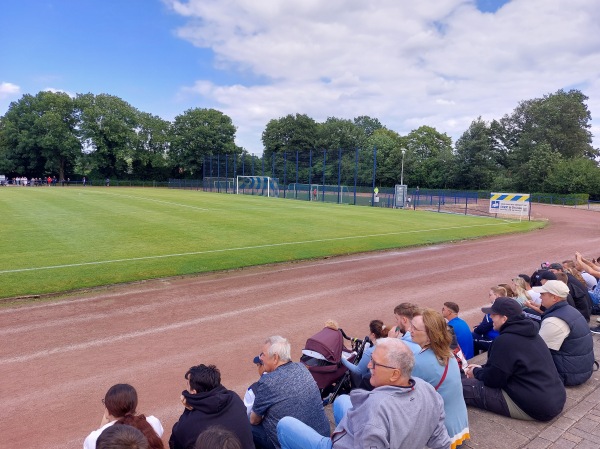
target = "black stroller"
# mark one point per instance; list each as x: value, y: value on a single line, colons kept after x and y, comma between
x: 322, y: 356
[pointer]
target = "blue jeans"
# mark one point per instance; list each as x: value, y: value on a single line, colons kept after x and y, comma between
x: 294, y: 434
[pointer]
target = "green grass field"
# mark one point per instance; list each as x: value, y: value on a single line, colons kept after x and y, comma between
x: 60, y: 239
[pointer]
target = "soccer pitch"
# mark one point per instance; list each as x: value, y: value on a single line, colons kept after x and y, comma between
x: 57, y: 239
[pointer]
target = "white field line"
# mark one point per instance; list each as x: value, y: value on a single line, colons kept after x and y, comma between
x: 150, y: 199
x: 166, y: 328
x: 244, y: 248
x: 284, y: 268
x: 174, y: 326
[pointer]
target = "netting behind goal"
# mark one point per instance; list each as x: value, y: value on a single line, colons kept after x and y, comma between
x: 257, y: 185
x: 319, y: 192
x: 219, y: 184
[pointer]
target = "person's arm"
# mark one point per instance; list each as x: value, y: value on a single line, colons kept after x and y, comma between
x: 491, y: 375
x: 532, y: 306
x: 591, y: 268
x: 351, y: 366
x: 484, y: 327
x: 439, y: 438
x: 553, y: 333
x: 255, y: 419
x: 360, y: 369
x: 262, y: 401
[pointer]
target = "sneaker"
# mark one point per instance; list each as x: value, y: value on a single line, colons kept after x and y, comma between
x: 598, y: 319
x: 595, y: 330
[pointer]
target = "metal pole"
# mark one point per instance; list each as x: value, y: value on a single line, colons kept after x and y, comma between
x: 285, y: 174
x: 339, y: 175
x: 355, y: 174
x: 374, y: 172
x: 310, y: 175
x: 324, y: 163
x: 402, y: 169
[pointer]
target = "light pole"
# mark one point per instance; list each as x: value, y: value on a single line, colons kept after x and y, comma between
x: 402, y: 169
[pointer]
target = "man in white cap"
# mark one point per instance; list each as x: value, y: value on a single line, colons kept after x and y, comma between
x: 567, y: 334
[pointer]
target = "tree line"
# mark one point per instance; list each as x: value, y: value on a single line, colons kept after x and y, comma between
x: 544, y: 145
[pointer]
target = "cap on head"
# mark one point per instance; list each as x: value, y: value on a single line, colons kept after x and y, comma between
x: 547, y: 275
x: 504, y: 306
x: 525, y: 278
x: 557, y: 288
x: 556, y: 266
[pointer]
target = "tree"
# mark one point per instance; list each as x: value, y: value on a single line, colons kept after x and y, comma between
x: 428, y: 157
x: 367, y: 124
x: 476, y: 157
x: 151, y: 147
x: 578, y: 175
x: 531, y: 176
x: 198, y: 133
x: 336, y: 133
x: 290, y: 134
x: 38, y: 135
x: 559, y: 120
x: 108, y: 127
x: 389, y: 146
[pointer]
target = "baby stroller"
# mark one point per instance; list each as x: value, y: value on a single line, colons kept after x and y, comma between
x: 322, y: 356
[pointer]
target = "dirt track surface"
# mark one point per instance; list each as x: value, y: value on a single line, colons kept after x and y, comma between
x: 58, y: 359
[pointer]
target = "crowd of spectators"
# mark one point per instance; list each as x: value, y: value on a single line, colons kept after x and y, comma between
x: 414, y: 382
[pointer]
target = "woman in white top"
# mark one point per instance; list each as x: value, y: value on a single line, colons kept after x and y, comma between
x: 120, y: 402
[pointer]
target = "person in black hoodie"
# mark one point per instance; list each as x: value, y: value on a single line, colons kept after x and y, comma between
x: 519, y: 379
x: 208, y: 403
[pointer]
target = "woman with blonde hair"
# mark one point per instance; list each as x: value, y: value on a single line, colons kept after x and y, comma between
x: 520, y: 288
x: 437, y: 365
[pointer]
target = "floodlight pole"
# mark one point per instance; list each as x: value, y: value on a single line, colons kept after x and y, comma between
x: 402, y: 169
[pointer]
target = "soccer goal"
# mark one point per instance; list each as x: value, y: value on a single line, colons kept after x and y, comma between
x: 221, y: 185
x: 319, y: 192
x: 257, y: 185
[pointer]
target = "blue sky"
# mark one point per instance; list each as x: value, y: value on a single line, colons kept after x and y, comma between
x: 440, y: 63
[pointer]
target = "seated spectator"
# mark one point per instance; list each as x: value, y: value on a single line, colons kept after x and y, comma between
x: 384, y: 417
x: 287, y: 390
x: 594, y: 294
x: 484, y: 333
x: 590, y: 280
x: 533, y: 295
x: 119, y: 401
x: 520, y: 288
x: 567, y: 335
x: 217, y: 437
x: 208, y: 403
x: 140, y: 423
x: 460, y: 326
x: 251, y: 391
x: 510, y: 293
x: 404, y: 313
x: 121, y: 437
x: 377, y: 330
x: 570, y: 267
x: 578, y: 292
x: 436, y: 365
x: 519, y: 379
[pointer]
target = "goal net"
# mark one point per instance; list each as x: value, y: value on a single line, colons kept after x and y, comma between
x: 221, y: 185
x: 257, y: 185
x: 319, y: 192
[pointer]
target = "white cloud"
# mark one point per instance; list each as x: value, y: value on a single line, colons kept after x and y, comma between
x: 54, y: 90
x: 439, y: 63
x: 8, y: 90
